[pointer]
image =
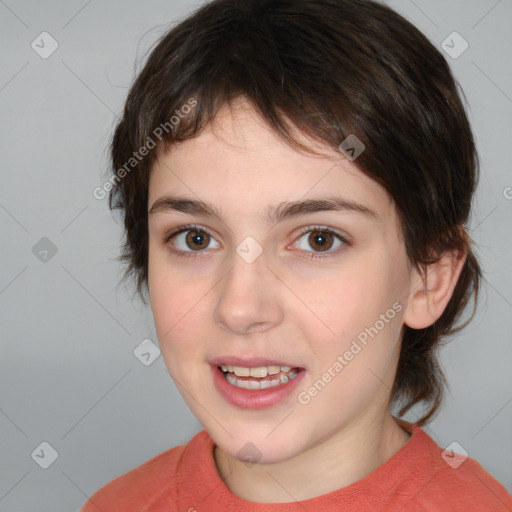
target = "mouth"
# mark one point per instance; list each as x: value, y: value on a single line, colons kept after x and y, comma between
x: 258, y: 377
x: 256, y: 382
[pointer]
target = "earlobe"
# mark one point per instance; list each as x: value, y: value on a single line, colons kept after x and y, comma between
x: 429, y: 295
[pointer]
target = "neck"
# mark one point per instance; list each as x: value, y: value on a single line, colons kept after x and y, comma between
x: 340, y: 460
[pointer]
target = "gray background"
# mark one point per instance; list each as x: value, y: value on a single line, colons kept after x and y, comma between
x: 68, y: 332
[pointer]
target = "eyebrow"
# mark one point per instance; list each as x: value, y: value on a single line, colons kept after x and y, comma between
x: 274, y: 214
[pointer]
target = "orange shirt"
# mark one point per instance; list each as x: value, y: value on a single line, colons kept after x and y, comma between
x: 414, y: 479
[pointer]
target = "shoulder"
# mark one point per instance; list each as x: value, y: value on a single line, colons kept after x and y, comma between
x: 468, y: 488
x: 154, y: 480
x: 457, y: 483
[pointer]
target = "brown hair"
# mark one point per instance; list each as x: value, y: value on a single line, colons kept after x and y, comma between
x: 330, y: 68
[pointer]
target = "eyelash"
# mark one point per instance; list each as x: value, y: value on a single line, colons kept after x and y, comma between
x: 314, y: 255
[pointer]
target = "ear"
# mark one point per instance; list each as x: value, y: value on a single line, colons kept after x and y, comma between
x: 429, y: 296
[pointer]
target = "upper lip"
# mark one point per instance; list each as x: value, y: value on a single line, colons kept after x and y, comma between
x: 251, y: 362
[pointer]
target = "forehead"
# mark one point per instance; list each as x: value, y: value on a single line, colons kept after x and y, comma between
x: 239, y: 163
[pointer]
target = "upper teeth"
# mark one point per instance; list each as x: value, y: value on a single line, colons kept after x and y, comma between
x: 258, y: 371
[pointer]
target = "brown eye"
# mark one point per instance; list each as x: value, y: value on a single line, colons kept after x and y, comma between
x: 189, y: 240
x: 321, y: 240
x: 197, y: 239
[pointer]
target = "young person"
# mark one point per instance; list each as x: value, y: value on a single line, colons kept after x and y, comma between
x: 295, y: 177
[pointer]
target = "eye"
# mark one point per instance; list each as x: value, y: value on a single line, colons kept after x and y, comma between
x: 188, y: 240
x: 321, y: 239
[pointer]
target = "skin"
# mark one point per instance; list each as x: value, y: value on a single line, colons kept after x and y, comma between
x: 285, y: 304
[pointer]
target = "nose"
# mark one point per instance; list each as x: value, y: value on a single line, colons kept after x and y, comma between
x: 249, y: 298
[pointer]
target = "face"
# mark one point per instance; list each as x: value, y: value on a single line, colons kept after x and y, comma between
x: 256, y: 283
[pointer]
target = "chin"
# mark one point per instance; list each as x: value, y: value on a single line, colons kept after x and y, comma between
x: 257, y: 448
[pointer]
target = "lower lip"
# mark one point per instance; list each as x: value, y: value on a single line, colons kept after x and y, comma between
x: 254, y: 398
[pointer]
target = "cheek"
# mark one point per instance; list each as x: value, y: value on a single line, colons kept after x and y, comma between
x: 180, y: 335
x: 336, y: 307
x: 176, y: 312
x: 176, y: 303
x: 361, y: 306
